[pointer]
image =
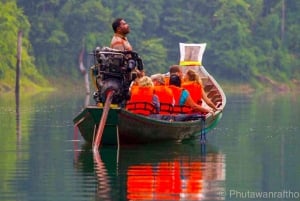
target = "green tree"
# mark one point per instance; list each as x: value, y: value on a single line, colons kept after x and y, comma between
x: 292, y: 37
x: 12, y: 20
x: 273, y: 57
x: 87, y: 24
x: 47, y: 34
x: 230, y: 38
x: 61, y: 28
x: 154, y: 56
x: 245, y: 38
x: 145, y: 25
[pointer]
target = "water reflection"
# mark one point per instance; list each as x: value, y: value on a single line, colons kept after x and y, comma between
x: 104, y: 187
x: 256, y: 143
x: 149, y: 172
x: 18, y: 117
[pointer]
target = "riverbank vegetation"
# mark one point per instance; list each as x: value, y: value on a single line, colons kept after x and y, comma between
x: 252, y: 43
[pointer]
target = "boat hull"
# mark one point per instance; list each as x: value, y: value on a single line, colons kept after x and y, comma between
x: 124, y: 127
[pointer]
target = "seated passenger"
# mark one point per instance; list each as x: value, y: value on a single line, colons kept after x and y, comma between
x: 143, y: 100
x: 164, y: 94
x: 183, y: 101
x: 192, y: 82
x: 175, y: 69
x: 167, y: 79
x: 135, y: 82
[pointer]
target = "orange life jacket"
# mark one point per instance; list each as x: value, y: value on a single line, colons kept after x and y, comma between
x: 141, y: 101
x: 166, y: 99
x: 195, y: 90
x: 134, y: 89
x: 167, y: 80
x: 177, y: 108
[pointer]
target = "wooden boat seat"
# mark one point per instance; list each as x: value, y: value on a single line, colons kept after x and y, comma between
x: 212, y: 93
x: 219, y: 104
x: 207, y: 88
x: 216, y: 99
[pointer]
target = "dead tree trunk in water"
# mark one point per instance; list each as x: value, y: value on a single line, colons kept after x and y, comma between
x: 17, y: 87
x: 18, y: 67
x: 282, y: 20
x: 84, y: 72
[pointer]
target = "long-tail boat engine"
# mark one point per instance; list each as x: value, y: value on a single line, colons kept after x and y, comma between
x: 114, y: 70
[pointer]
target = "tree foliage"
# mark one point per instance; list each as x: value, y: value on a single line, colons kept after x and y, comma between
x: 245, y: 38
x: 12, y: 20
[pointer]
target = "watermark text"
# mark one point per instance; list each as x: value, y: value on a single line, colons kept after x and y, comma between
x: 284, y: 194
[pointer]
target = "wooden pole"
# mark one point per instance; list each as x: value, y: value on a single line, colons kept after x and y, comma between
x: 18, y: 67
x: 103, y: 119
x: 282, y: 19
x: 17, y: 87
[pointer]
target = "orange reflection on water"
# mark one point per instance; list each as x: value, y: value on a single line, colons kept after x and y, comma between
x: 177, y: 180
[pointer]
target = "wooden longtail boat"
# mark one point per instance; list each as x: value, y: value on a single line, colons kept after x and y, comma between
x: 126, y: 127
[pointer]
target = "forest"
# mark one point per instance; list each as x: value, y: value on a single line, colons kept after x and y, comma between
x: 247, y: 40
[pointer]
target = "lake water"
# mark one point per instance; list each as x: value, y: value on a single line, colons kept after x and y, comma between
x: 252, y: 154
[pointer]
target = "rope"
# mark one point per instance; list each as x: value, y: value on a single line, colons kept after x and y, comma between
x: 203, y: 130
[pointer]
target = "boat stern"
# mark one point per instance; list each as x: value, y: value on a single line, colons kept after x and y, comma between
x: 88, y: 120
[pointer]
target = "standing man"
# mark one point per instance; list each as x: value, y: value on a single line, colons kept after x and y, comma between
x: 119, y: 40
